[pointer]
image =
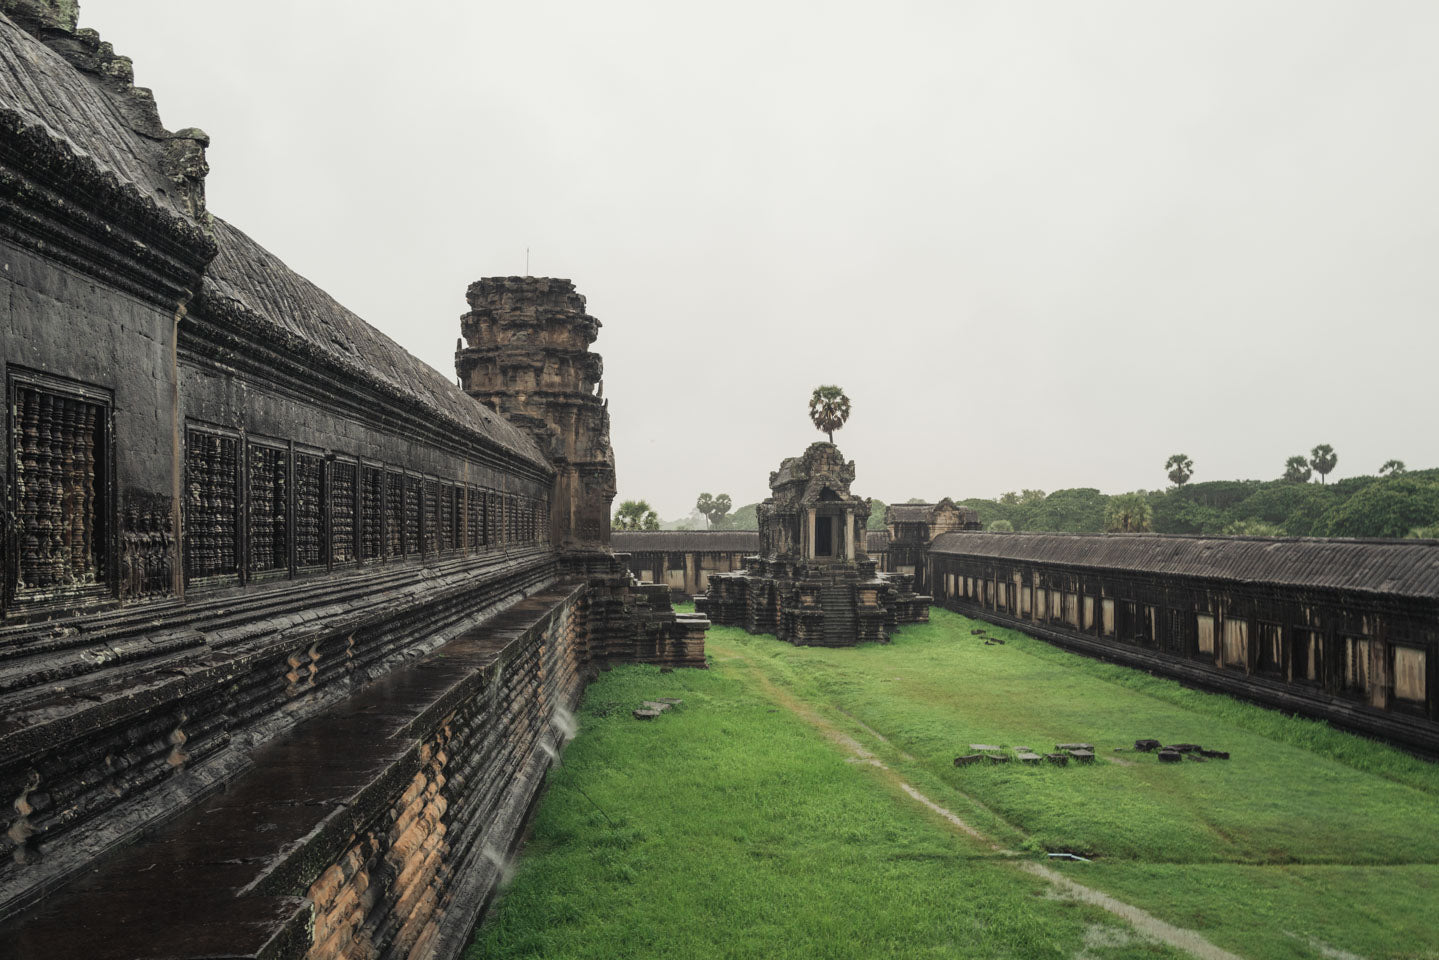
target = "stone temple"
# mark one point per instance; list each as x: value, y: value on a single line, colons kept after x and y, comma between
x: 812, y: 584
x: 290, y: 621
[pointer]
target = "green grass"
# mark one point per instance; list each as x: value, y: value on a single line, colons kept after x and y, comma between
x: 739, y: 832
x: 744, y: 832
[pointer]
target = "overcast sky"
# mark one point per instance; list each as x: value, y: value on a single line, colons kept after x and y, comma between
x: 1040, y: 244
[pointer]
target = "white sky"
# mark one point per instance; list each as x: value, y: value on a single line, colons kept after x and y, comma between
x: 1040, y: 244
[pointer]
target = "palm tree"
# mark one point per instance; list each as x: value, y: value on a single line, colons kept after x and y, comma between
x: 1180, y: 468
x: 1297, y: 470
x: 1129, y: 513
x: 1323, y: 458
x: 636, y: 515
x: 828, y: 409
x: 1392, y: 468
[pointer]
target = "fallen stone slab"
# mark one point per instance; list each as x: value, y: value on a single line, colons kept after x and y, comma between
x: 672, y: 701
x: 984, y: 746
x: 1083, y: 756
x: 977, y: 632
x: 1018, y: 749
x: 1170, y: 756
x: 1028, y: 757
x: 1057, y: 758
x: 1062, y: 747
x: 1194, y: 756
x: 998, y: 757
x: 1215, y: 754
x: 1184, y: 747
x: 656, y: 706
x: 646, y: 714
x: 1147, y: 746
x: 967, y: 759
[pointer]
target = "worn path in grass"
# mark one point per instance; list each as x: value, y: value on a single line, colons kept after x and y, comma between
x: 1308, y: 842
x: 1144, y: 922
x: 731, y: 828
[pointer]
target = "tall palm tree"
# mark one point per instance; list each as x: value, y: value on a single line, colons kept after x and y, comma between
x: 828, y: 409
x: 1180, y: 468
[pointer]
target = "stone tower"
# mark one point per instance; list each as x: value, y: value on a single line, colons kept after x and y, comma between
x: 526, y: 353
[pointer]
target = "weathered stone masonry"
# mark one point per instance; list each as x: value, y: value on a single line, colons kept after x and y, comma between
x: 283, y: 618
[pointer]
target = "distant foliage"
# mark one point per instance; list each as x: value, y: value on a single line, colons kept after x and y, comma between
x: 828, y: 409
x: 744, y: 518
x: 1392, y: 468
x: 1179, y: 468
x: 1388, y: 508
x: 1297, y: 469
x: 876, y: 514
x: 635, y: 515
x: 1000, y: 526
x: 1426, y: 533
x: 1253, y: 528
x: 1129, y: 513
x: 1370, y: 506
x: 1323, y: 459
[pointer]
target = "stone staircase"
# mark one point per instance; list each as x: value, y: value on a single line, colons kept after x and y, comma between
x: 837, y: 601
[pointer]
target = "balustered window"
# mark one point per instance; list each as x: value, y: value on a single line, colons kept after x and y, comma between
x: 372, y: 494
x: 268, y: 503
x: 309, y: 513
x: 62, y: 522
x: 412, y: 515
x: 212, y: 479
x: 394, y: 510
x: 430, y: 532
x: 448, y: 513
x: 342, y: 511
x: 475, y: 515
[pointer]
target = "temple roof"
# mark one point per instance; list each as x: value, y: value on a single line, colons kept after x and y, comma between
x: 247, y: 274
x: 909, y: 512
x: 1407, y: 568
x: 47, y: 93
x: 876, y: 540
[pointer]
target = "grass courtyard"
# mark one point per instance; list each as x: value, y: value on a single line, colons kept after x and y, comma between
x: 803, y: 802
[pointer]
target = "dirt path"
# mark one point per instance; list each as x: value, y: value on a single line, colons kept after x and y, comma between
x: 1146, y: 923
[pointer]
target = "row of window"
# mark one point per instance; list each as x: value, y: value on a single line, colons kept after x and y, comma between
x: 260, y: 507
x: 1297, y: 654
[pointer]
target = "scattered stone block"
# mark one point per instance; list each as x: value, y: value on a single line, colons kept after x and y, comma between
x: 672, y: 701
x: 646, y: 714
x: 1194, y: 756
x: 1027, y: 757
x: 1023, y: 749
x: 977, y: 632
x: 1057, y: 758
x: 998, y: 757
x: 1215, y: 754
x: 1184, y: 747
x: 1170, y: 756
x: 656, y: 706
x: 1147, y: 746
x: 1064, y: 747
x: 1083, y: 756
x: 983, y: 746
x: 967, y: 759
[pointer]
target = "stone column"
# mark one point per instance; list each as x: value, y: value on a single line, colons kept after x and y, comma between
x: 692, y: 574
x: 849, y: 535
x: 809, y: 551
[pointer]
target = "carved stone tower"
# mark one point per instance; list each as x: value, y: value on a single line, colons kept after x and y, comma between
x: 526, y: 354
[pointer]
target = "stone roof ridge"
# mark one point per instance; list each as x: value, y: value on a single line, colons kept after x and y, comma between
x: 1378, y: 566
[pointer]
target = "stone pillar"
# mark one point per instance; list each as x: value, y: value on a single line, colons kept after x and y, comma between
x: 809, y: 540
x: 692, y: 575
x: 849, y: 535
